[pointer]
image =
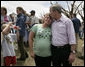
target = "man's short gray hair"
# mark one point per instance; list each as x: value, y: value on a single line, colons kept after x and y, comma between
x: 56, y: 7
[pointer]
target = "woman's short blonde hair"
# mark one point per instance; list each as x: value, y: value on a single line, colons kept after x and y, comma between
x: 3, y: 26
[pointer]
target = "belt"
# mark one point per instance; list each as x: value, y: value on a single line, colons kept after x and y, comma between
x: 61, y: 46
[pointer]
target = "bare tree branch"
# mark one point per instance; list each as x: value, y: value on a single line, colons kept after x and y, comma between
x: 65, y: 10
x: 68, y: 6
x: 72, y: 8
x: 81, y: 15
x: 78, y: 7
x: 51, y: 3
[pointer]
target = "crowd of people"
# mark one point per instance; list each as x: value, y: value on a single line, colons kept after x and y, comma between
x: 54, y: 40
x: 24, y: 22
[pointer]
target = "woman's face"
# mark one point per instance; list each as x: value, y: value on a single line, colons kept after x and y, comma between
x: 47, y: 19
x: 18, y: 11
x: 2, y: 11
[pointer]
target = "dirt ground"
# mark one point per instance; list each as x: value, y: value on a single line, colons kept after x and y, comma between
x: 30, y: 61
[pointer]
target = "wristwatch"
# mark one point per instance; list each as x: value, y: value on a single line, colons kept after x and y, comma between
x: 73, y: 51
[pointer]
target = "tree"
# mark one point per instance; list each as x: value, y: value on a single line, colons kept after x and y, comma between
x: 76, y: 7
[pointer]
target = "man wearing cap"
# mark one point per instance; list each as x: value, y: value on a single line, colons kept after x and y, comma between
x: 34, y: 19
x: 63, y: 38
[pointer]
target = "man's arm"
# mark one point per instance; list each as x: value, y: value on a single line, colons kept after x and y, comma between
x: 72, y: 54
x: 72, y: 40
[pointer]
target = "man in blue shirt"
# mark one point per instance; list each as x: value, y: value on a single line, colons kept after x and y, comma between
x: 77, y: 25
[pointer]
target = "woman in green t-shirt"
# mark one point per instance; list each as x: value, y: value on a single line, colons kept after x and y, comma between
x: 40, y: 42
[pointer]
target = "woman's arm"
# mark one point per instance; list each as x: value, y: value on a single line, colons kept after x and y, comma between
x: 31, y: 36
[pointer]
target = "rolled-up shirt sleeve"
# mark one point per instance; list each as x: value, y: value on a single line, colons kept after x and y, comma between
x: 71, y: 32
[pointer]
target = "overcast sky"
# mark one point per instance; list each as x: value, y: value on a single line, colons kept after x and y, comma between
x: 41, y: 7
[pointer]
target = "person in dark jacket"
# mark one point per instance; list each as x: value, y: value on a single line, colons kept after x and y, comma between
x: 77, y: 25
x: 21, y: 19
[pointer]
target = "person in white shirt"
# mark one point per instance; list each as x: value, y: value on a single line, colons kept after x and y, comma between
x: 34, y: 19
x: 9, y: 56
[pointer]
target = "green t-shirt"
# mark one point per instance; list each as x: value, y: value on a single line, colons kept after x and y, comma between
x: 42, y: 40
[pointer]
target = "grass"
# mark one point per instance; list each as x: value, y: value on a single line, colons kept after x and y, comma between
x: 30, y: 61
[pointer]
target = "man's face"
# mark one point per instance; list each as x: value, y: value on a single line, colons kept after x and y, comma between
x: 72, y: 16
x: 52, y: 13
